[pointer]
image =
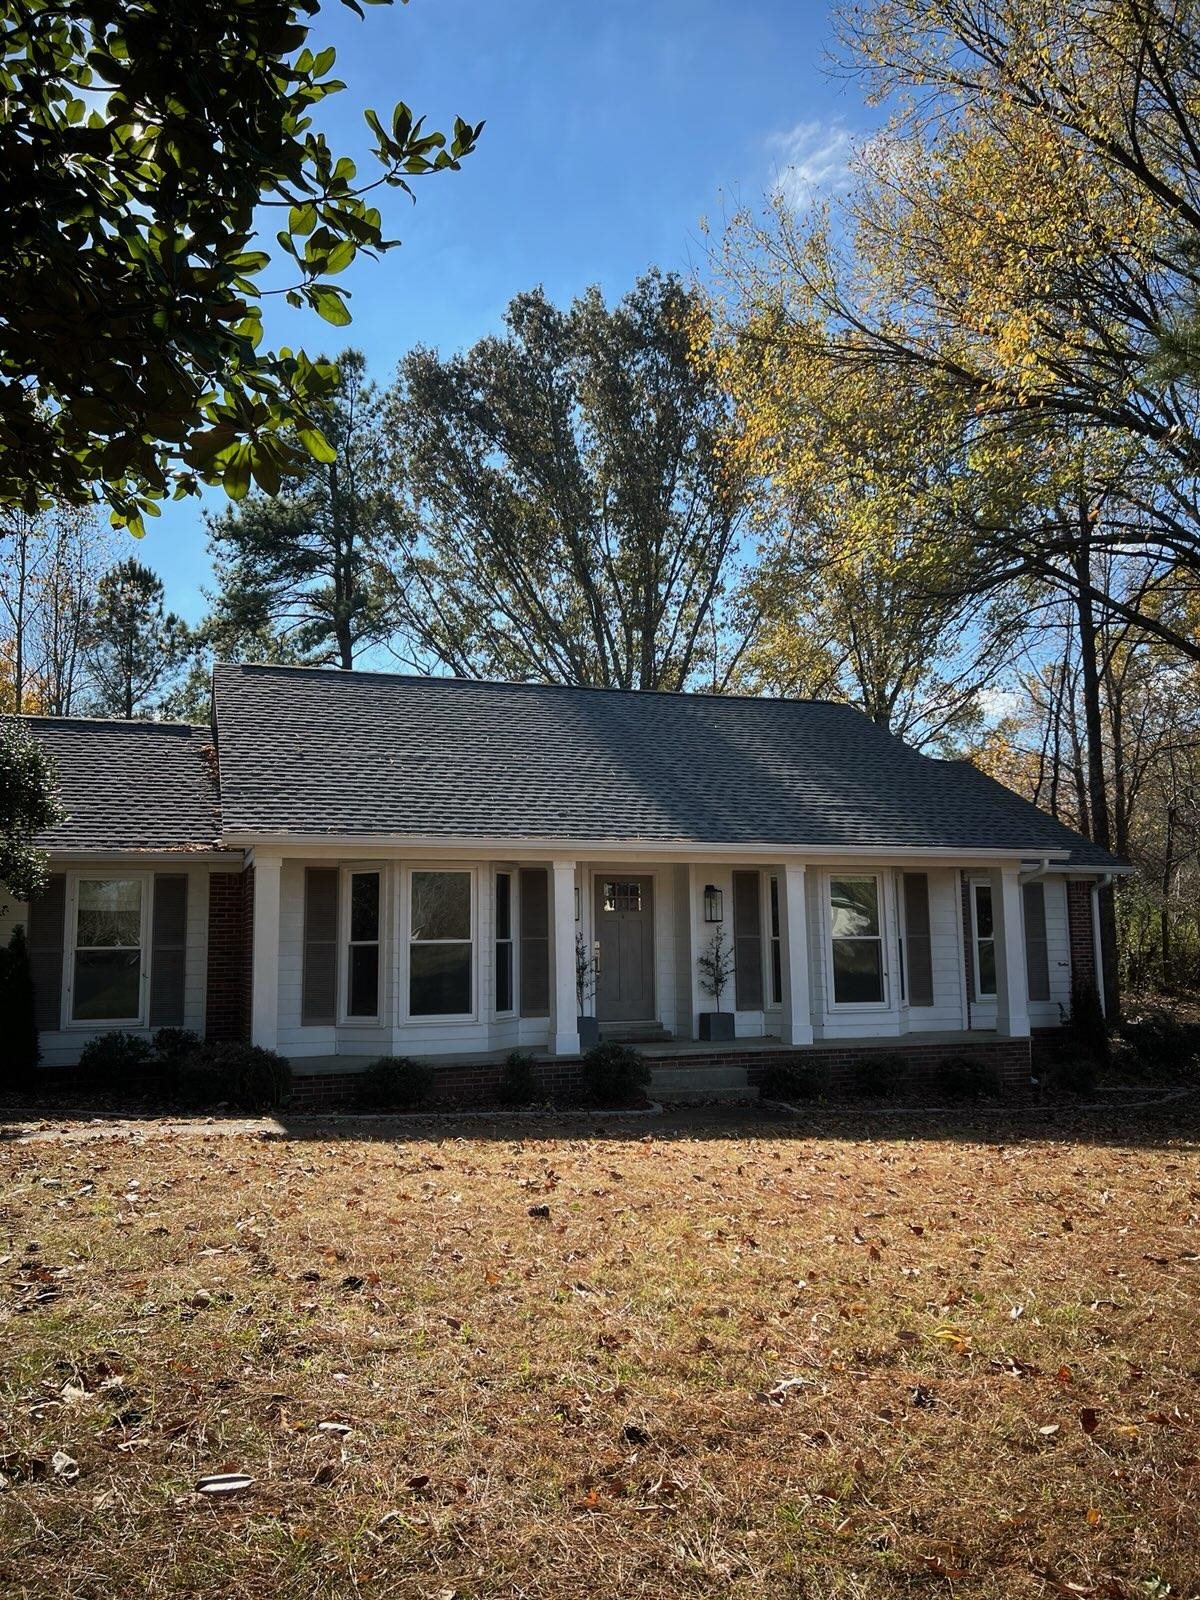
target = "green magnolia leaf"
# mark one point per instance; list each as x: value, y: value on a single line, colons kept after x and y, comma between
x: 175, y: 142
x: 328, y: 303
x: 315, y: 442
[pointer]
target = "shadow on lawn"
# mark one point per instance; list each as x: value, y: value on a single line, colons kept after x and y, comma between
x: 1170, y: 1124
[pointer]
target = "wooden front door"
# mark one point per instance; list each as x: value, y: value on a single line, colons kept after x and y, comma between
x: 625, y: 949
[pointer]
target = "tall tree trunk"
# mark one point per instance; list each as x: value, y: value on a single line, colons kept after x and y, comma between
x: 1101, y: 831
x: 1168, y: 876
x: 1093, y: 716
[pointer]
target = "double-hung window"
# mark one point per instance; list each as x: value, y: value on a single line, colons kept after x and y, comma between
x: 440, y: 969
x: 504, y: 943
x: 362, y: 946
x: 985, y: 939
x: 856, y: 940
x: 776, y: 948
x: 108, y: 953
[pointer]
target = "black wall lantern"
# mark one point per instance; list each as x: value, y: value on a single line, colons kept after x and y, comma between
x: 714, y: 904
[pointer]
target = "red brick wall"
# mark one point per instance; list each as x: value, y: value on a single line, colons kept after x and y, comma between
x: 455, y: 1084
x: 1079, y: 931
x: 1008, y: 1059
x: 227, y: 992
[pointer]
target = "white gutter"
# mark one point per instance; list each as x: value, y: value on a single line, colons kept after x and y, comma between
x: 509, y: 847
x: 1035, y: 873
x: 1097, y: 942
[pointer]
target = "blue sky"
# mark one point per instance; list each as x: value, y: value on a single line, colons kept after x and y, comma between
x: 611, y: 131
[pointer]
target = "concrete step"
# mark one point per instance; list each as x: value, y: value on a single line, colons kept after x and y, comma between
x: 634, y: 1033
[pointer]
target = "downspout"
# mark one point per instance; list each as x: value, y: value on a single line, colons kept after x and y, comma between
x: 1042, y: 870
x: 1097, y: 945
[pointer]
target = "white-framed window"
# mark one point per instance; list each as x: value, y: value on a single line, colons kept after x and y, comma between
x: 506, y: 987
x: 107, y: 973
x: 441, y: 942
x: 362, y: 964
x: 983, y: 942
x: 776, y: 944
x: 856, y: 957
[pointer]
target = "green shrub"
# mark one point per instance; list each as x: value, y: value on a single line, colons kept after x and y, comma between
x: 780, y: 1082
x: 1157, y: 1041
x: 172, y: 1046
x: 21, y: 1050
x: 963, y: 1078
x: 879, y: 1074
x: 1069, y: 1071
x: 614, y: 1074
x: 395, y: 1083
x: 1089, y: 1031
x: 244, y: 1076
x: 518, y: 1081
x: 114, y: 1061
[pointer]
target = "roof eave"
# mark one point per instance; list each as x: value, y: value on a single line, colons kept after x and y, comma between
x: 511, y: 847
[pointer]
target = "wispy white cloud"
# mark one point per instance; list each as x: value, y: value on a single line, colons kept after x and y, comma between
x: 811, y: 159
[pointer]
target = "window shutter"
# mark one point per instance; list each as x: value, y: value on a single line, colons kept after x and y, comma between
x: 747, y: 942
x: 44, y: 931
x: 1037, y: 949
x: 318, y: 1002
x: 168, y: 954
x: 918, y: 945
x: 535, y: 942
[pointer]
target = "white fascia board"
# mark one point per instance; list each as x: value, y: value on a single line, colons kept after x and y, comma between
x: 540, y: 849
x: 231, y: 858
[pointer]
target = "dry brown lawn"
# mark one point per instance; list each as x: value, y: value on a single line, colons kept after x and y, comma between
x: 718, y: 1359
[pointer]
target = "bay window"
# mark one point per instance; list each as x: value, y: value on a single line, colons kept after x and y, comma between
x: 108, y: 950
x: 504, y: 943
x: 362, y: 946
x: 985, y: 940
x: 776, y: 947
x: 856, y: 940
x: 440, y: 980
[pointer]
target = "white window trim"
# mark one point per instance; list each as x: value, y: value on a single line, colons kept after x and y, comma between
x: 981, y: 998
x: 71, y: 934
x: 419, y: 1019
x: 349, y: 870
x: 513, y: 941
x: 884, y: 954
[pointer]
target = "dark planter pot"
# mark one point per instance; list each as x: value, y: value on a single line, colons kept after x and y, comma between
x: 717, y: 1025
x: 589, y: 1033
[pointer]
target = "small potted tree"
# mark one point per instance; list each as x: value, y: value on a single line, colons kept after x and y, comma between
x: 585, y: 988
x: 715, y: 964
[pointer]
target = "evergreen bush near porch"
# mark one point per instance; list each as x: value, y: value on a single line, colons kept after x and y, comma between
x: 613, y: 1074
x: 395, y: 1083
x: 518, y: 1081
x: 22, y: 1052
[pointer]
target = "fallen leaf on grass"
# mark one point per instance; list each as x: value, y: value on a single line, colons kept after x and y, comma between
x: 221, y: 1483
x: 1089, y: 1419
x: 940, y: 1569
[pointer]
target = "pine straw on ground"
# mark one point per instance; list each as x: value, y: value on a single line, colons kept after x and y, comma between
x: 736, y: 1359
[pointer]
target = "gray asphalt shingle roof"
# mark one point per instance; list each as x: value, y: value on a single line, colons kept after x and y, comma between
x: 316, y: 751
x: 131, y: 785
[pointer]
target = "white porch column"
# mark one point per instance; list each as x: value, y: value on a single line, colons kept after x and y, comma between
x: 564, y: 1009
x: 264, y: 993
x: 797, y: 1011
x: 1012, y: 1002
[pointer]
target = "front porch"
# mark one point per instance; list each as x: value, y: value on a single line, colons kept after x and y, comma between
x: 690, y: 1069
x: 462, y: 960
